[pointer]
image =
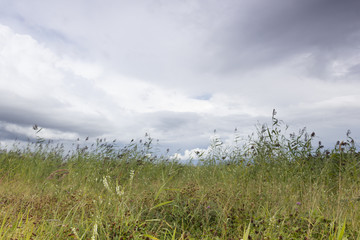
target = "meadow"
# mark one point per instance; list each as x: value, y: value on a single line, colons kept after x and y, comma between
x: 276, y: 185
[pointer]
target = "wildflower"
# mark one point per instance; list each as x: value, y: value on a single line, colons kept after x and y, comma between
x: 132, y: 173
x: 298, y: 203
x: 119, y: 191
x: 106, y: 184
x: 95, y: 232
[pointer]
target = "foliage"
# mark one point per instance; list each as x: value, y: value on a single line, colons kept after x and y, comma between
x: 273, y: 187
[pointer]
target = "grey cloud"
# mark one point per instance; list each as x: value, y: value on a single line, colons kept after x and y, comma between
x: 269, y: 32
x: 176, y: 124
x: 354, y: 71
x: 49, y: 113
x: 184, y: 130
x: 9, y: 135
x: 167, y: 121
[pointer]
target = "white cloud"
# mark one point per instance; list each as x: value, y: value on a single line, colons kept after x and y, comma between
x: 38, y: 82
x: 74, y: 96
x: 140, y: 96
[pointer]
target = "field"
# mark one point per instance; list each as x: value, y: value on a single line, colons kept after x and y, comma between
x: 275, y: 186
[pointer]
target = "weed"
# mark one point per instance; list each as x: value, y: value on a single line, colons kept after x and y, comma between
x: 275, y: 186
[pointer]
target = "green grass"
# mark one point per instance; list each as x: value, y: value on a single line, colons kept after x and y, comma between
x: 273, y: 187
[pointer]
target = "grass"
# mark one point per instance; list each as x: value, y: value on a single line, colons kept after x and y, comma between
x: 273, y: 187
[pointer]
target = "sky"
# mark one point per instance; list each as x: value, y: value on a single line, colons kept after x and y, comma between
x: 178, y: 69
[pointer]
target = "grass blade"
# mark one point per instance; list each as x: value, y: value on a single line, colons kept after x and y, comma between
x: 161, y: 204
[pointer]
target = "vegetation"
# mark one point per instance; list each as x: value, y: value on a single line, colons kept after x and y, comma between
x: 272, y: 187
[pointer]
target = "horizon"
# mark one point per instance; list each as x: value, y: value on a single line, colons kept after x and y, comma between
x: 153, y: 149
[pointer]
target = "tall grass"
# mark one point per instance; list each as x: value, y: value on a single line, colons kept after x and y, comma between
x: 273, y: 187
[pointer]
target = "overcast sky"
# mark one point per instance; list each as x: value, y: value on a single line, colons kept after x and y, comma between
x: 178, y: 69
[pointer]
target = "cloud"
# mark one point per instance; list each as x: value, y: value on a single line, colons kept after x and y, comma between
x: 190, y: 45
x: 178, y: 69
x: 82, y: 99
x: 260, y: 34
x: 39, y: 87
